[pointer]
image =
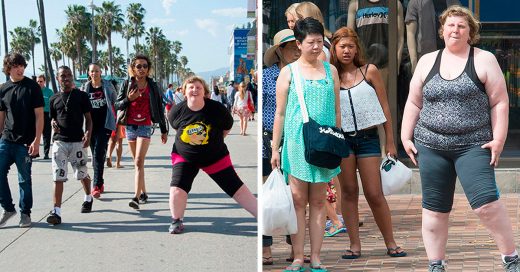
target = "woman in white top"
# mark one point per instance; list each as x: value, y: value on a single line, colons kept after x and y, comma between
x: 364, y: 105
x: 215, y: 95
x: 240, y: 106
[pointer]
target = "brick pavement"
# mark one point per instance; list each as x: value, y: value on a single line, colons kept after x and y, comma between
x: 470, y: 248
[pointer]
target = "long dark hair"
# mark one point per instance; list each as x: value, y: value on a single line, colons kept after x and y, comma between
x: 216, y: 90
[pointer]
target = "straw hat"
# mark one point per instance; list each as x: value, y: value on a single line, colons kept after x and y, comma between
x: 280, y: 38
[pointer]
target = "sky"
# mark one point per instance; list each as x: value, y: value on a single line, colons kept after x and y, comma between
x: 204, y: 27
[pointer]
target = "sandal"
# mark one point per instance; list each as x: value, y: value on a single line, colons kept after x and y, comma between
x: 318, y: 267
x: 306, y: 259
x: 352, y: 255
x: 295, y: 267
x: 336, y: 229
x: 396, y: 252
x: 267, y: 260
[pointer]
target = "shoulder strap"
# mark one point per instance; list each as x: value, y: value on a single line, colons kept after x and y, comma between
x: 435, y: 68
x: 299, y: 91
x: 470, y: 70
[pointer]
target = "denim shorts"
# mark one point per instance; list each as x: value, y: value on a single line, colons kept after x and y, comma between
x: 364, y: 144
x: 439, y: 170
x: 135, y: 131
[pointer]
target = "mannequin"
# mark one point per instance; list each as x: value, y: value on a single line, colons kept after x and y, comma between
x: 372, y: 28
x: 380, y: 48
x: 422, y: 25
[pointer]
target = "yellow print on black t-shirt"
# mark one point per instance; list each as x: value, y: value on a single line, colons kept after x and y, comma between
x: 196, y: 134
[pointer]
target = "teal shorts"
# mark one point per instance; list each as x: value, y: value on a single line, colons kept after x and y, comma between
x: 439, y: 170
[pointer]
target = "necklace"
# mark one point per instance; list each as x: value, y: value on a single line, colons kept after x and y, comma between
x: 67, y: 103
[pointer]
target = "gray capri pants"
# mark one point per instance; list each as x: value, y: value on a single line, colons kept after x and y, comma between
x: 439, y: 170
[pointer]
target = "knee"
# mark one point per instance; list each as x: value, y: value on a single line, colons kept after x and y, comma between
x: 139, y: 162
x: 177, y: 191
x: 488, y: 210
x: 349, y: 193
x: 318, y: 203
x: 300, y: 202
x: 375, y: 198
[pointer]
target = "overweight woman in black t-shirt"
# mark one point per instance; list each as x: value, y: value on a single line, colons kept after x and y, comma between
x: 201, y: 125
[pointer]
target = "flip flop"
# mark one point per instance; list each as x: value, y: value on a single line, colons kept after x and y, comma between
x: 337, y: 230
x: 395, y: 254
x: 318, y: 267
x: 267, y: 260
x: 352, y: 255
x: 294, y: 267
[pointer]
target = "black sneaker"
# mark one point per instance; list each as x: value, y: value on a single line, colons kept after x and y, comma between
x: 143, y: 198
x: 512, y: 264
x: 176, y: 227
x: 436, y: 266
x: 86, y: 207
x: 134, y: 203
x: 53, y: 218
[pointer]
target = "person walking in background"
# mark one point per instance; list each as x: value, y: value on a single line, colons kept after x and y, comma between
x: 168, y: 99
x: 465, y: 86
x: 283, y: 52
x: 253, y: 89
x: 68, y: 110
x: 102, y: 97
x: 140, y: 103
x: 364, y: 105
x: 201, y: 125
x: 320, y: 87
x: 240, y: 106
x: 21, y: 126
x: 178, y: 97
x: 231, y: 91
x: 47, y: 93
x: 116, y: 142
x: 215, y: 95
x: 291, y: 16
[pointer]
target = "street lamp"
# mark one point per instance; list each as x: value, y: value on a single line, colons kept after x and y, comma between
x: 155, y: 69
x: 94, y: 45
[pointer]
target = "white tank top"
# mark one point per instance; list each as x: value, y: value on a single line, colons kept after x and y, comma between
x: 367, y: 109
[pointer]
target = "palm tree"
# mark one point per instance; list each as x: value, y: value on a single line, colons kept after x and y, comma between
x: 110, y: 20
x: 153, y: 39
x: 135, y: 13
x: 34, y: 38
x: 55, y: 53
x: 78, y: 27
x: 68, y: 47
x: 46, y: 55
x: 20, y: 41
x: 127, y: 35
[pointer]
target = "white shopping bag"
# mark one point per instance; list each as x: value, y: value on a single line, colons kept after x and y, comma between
x: 394, y: 175
x: 279, y: 216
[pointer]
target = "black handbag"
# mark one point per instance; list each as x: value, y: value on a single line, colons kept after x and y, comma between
x: 325, y: 146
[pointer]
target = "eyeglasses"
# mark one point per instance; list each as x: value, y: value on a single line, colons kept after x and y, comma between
x: 40, y: 81
x: 139, y: 66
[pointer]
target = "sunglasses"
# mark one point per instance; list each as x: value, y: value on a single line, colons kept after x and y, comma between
x: 139, y: 66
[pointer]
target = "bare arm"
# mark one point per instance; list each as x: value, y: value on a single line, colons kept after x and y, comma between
x: 489, y: 72
x: 282, y: 91
x: 352, y: 10
x: 411, y: 29
x: 336, y: 95
x: 88, y: 130
x: 414, y: 105
x: 35, y: 145
x: 374, y: 77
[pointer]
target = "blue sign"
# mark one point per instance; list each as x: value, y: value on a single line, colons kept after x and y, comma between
x: 241, y: 64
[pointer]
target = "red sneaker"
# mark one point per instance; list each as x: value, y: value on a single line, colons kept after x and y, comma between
x: 96, y: 192
x: 102, y: 189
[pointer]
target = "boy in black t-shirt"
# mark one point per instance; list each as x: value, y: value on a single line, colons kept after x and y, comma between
x: 21, y: 126
x: 68, y: 108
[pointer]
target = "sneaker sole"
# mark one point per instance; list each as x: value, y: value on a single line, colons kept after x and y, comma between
x: 133, y: 205
x: 86, y: 211
x: 25, y: 225
x: 177, y: 230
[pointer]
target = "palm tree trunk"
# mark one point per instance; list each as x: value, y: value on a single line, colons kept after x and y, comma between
x: 127, y: 60
x: 41, y: 13
x: 109, y: 39
x: 32, y: 56
x: 78, y: 50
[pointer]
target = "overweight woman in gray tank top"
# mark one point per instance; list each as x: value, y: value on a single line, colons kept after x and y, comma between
x: 455, y: 125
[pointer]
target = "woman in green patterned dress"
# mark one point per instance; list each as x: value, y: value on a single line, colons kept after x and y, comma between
x: 320, y: 83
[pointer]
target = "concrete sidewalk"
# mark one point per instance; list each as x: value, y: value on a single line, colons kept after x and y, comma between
x: 219, y: 235
x: 470, y: 248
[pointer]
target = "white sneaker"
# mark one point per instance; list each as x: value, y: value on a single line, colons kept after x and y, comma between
x: 5, y: 217
x: 25, y: 221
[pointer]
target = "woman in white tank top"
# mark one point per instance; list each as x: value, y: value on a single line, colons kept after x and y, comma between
x: 364, y: 105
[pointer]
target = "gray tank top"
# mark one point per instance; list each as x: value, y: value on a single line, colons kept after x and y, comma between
x: 455, y: 113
